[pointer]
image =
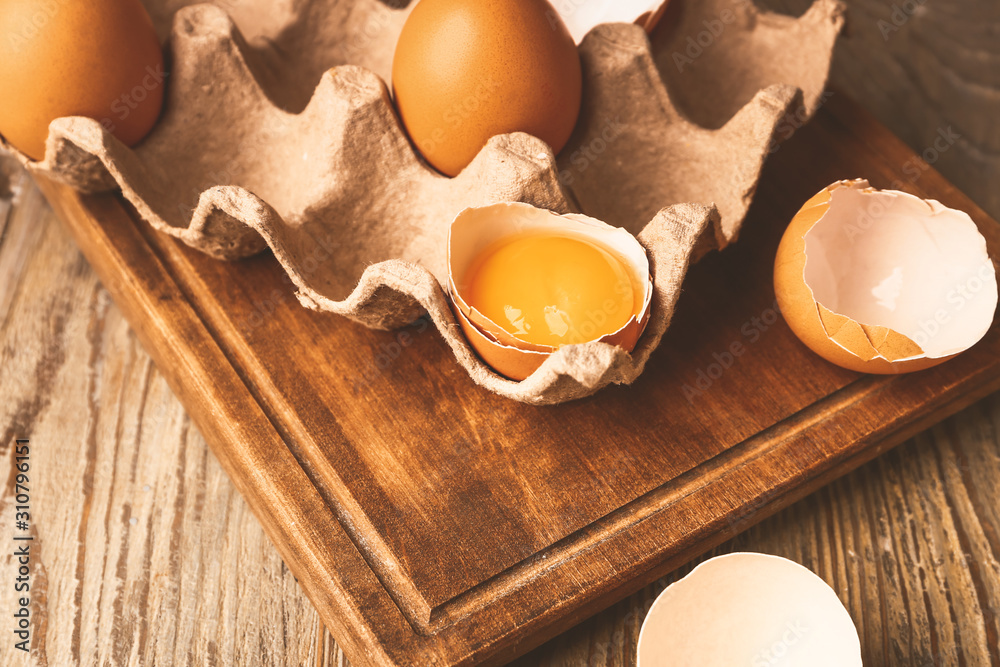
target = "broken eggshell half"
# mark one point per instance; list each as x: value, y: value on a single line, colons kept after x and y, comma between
x: 749, y: 609
x: 476, y: 229
x: 881, y: 281
x: 582, y: 16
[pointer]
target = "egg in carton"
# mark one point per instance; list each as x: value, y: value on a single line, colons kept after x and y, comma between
x: 279, y: 132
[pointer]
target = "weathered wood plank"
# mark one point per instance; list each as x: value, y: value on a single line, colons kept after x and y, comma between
x: 909, y: 542
x: 146, y: 552
x: 193, y: 580
x: 657, y: 494
x: 930, y: 71
x: 884, y: 537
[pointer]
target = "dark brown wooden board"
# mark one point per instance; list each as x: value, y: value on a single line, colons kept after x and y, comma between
x: 433, y: 523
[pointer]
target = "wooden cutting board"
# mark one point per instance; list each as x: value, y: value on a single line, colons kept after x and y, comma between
x: 435, y: 524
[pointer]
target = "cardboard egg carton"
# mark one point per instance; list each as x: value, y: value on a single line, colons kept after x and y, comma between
x: 279, y: 132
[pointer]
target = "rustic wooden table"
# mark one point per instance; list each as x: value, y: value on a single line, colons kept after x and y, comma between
x: 149, y: 556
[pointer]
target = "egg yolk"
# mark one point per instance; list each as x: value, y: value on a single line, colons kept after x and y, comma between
x: 552, y: 290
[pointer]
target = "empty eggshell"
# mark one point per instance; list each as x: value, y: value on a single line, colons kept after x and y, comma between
x: 580, y: 16
x: 475, y: 229
x: 881, y: 281
x: 749, y: 609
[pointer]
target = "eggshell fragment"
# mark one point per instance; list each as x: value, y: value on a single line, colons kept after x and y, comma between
x: 474, y: 229
x: 749, y: 609
x: 580, y: 16
x: 881, y: 281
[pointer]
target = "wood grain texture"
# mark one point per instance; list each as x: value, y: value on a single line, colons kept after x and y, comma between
x: 925, y: 68
x: 737, y: 520
x: 416, y: 528
x: 147, y: 553
x: 911, y: 542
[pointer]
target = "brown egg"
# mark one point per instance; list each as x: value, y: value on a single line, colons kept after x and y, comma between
x: 880, y: 281
x: 99, y: 58
x: 466, y: 70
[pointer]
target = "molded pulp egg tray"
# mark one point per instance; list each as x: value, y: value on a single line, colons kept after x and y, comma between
x: 279, y: 131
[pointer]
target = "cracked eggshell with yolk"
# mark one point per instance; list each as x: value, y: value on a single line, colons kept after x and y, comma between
x: 880, y: 281
x: 749, y: 609
x: 476, y: 229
